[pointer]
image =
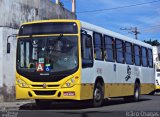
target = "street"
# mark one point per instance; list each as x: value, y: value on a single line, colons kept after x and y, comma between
x: 113, y: 107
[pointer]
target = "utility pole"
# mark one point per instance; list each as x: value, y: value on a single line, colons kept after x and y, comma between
x: 74, y: 6
x: 132, y: 30
x: 57, y: 1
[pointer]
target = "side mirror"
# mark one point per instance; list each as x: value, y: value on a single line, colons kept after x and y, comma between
x: 8, y: 47
x: 8, y: 44
x: 88, y: 42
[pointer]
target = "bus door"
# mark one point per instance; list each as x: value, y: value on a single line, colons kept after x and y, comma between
x: 87, y: 57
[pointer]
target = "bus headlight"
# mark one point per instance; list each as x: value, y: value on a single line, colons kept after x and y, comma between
x: 71, y: 82
x: 21, y: 83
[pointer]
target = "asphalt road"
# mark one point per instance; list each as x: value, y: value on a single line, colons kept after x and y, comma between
x: 148, y: 106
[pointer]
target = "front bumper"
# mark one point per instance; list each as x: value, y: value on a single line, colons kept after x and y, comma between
x: 72, y: 93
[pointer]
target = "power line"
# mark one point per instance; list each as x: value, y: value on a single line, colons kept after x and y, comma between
x: 132, y: 30
x: 136, y: 32
x: 151, y: 27
x: 120, y: 7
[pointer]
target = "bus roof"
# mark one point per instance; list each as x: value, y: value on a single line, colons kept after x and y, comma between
x: 51, y: 20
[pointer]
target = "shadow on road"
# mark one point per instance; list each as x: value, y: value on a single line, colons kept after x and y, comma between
x: 78, y: 105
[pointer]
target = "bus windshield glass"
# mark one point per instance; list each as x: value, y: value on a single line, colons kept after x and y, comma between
x: 47, y: 54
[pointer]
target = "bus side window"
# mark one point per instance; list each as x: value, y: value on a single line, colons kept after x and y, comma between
x: 144, y: 57
x: 150, y: 58
x: 128, y: 53
x: 98, y: 46
x: 119, y: 51
x: 109, y: 48
x: 137, y: 55
x: 86, y: 50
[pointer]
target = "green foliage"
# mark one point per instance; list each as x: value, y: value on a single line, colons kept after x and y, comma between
x: 153, y: 43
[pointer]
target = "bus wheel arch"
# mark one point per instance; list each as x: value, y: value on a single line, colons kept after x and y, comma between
x: 98, y: 92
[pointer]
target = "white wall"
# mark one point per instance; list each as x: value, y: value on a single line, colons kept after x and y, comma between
x: 9, y: 60
x: 1, y: 57
x: 14, y: 12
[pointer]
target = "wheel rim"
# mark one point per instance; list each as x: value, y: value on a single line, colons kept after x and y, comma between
x: 97, y: 95
x: 137, y: 93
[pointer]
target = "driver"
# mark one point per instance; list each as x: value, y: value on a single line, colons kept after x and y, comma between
x: 58, y: 46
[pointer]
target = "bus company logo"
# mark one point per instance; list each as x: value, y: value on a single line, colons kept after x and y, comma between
x: 128, y: 73
x: 44, y: 85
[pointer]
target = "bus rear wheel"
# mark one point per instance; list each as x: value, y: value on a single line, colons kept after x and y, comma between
x: 136, y: 95
x: 98, y: 95
x: 137, y: 92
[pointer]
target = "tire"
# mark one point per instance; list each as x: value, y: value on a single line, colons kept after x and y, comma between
x: 43, y: 103
x: 98, y: 95
x: 137, y: 92
x: 136, y: 96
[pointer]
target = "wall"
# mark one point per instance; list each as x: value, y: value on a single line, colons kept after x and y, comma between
x: 12, y: 14
x: 7, y: 79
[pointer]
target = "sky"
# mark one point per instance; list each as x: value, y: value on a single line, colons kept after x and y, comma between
x: 145, y: 17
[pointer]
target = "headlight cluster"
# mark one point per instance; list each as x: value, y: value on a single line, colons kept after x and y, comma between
x: 21, y: 83
x: 71, y: 82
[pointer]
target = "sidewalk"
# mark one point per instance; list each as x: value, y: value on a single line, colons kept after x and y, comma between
x: 13, y: 105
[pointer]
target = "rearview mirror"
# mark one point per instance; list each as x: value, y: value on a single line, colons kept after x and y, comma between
x: 8, y: 44
x: 8, y: 47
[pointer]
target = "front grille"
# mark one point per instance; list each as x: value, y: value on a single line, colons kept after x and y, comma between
x: 45, y: 92
x: 41, y: 86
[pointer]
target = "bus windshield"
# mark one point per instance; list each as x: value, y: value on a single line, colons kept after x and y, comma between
x: 47, y: 54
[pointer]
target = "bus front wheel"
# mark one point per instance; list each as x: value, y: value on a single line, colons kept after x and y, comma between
x: 98, y: 95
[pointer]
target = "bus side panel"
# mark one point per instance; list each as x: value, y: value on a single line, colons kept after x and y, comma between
x: 86, y: 83
x: 147, y: 80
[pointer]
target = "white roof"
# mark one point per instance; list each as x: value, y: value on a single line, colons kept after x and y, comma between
x: 95, y: 28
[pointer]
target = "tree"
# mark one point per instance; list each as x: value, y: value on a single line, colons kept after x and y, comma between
x: 153, y: 43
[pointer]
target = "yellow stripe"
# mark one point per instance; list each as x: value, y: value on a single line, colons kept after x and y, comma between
x: 157, y: 87
x: 115, y: 90
x: 87, y: 91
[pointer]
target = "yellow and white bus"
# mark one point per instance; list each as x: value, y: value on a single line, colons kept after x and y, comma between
x: 74, y: 60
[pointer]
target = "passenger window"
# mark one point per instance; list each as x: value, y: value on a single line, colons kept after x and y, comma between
x: 98, y: 47
x: 144, y: 57
x: 119, y: 51
x: 128, y: 53
x: 86, y: 50
x: 137, y: 55
x: 109, y: 48
x: 150, y: 58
